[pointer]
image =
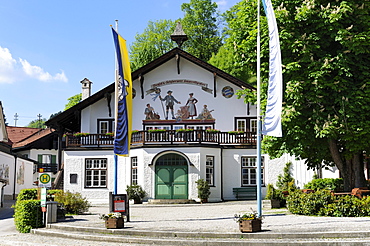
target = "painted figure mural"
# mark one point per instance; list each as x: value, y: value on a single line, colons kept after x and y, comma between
x: 150, y: 114
x: 205, y: 114
x: 170, y: 101
x: 191, y: 105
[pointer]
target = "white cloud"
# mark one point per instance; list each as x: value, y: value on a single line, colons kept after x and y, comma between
x: 7, y: 66
x: 37, y: 72
x: 11, y: 70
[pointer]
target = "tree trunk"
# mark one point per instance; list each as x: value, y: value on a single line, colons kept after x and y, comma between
x: 351, y: 170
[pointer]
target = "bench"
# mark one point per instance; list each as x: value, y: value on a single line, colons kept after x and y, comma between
x: 246, y: 193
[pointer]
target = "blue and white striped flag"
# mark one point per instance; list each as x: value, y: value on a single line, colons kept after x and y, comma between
x: 272, y: 120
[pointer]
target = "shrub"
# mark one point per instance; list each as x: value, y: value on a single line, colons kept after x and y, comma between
x: 73, y: 203
x: 27, y: 215
x: 203, y: 189
x: 326, y: 183
x: 136, y: 193
x: 347, y: 206
x: 27, y: 194
x: 285, y: 181
x: 308, y: 204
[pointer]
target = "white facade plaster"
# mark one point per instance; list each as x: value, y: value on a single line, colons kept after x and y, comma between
x: 18, y: 172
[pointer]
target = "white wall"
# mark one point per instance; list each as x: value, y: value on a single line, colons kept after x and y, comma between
x: 18, y: 172
x: 75, y: 164
x: 298, y: 170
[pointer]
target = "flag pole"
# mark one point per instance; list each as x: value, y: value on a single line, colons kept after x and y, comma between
x: 115, y: 116
x: 259, y: 123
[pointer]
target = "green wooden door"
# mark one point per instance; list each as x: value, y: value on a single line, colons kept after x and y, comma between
x: 171, y: 177
x: 171, y: 182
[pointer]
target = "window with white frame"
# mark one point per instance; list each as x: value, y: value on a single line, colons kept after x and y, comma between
x: 253, y: 126
x: 249, y: 170
x: 105, y: 126
x: 133, y: 170
x: 210, y: 170
x: 241, y: 125
x: 96, y: 173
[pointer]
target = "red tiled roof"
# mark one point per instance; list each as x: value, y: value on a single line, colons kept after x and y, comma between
x: 21, y: 136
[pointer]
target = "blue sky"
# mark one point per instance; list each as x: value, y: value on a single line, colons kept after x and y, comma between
x: 48, y: 47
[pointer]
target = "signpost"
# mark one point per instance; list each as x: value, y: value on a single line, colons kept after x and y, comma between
x: 45, y: 180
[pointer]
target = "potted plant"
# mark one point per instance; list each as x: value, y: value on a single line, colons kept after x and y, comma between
x: 274, y: 196
x: 249, y: 222
x: 113, y: 220
x: 203, y: 190
x: 136, y: 192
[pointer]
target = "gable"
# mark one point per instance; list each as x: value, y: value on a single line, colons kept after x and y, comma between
x: 3, y: 133
x: 176, y: 65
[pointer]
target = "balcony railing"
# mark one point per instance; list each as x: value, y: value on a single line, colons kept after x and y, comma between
x: 166, y: 137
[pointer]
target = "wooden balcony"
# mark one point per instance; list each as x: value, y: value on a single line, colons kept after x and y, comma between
x: 166, y: 137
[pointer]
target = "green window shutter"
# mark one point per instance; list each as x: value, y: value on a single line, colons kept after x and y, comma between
x: 53, y: 159
x: 39, y: 158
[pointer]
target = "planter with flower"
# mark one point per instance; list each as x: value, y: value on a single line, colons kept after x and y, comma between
x: 113, y: 220
x: 184, y: 133
x: 236, y: 132
x: 81, y: 134
x: 249, y: 222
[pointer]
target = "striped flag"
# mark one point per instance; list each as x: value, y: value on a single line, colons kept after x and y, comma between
x: 123, y: 116
x: 272, y: 120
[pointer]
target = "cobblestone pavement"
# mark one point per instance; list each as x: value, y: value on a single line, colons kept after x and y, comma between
x: 210, y: 217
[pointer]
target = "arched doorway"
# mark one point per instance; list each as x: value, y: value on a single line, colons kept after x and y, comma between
x: 171, y: 177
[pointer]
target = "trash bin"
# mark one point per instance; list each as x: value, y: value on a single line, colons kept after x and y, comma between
x: 51, y: 212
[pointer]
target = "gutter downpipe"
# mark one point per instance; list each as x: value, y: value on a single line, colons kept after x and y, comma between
x: 222, y: 176
x: 15, y: 175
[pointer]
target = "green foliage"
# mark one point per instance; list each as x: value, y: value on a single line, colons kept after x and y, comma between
x: 203, y: 189
x: 325, y: 54
x: 27, y: 194
x: 326, y: 183
x: 323, y: 203
x: 136, y: 193
x: 308, y: 204
x: 27, y: 215
x: 347, y: 206
x: 73, y: 100
x: 200, y: 23
x: 37, y: 124
x: 152, y: 43
x: 285, y: 181
x: 273, y: 193
x: 73, y: 203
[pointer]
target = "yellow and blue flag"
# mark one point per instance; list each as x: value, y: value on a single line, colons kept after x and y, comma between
x: 122, y: 139
x: 272, y: 120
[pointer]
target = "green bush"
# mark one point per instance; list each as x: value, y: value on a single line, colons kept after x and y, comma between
x: 327, y: 183
x: 136, y: 192
x: 27, y: 194
x: 73, y: 203
x: 203, y: 189
x: 27, y: 215
x: 308, y: 204
x: 323, y: 203
x: 347, y: 206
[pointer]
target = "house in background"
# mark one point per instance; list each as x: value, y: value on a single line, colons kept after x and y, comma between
x: 209, y: 134
x: 16, y: 172
x: 164, y: 159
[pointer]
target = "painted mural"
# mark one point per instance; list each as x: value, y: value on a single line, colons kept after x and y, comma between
x: 20, y: 174
x: 4, y: 171
x: 187, y: 111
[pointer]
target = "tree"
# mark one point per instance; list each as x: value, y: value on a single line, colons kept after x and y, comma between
x: 37, y: 124
x: 72, y: 101
x: 325, y: 50
x: 152, y: 43
x: 200, y: 24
